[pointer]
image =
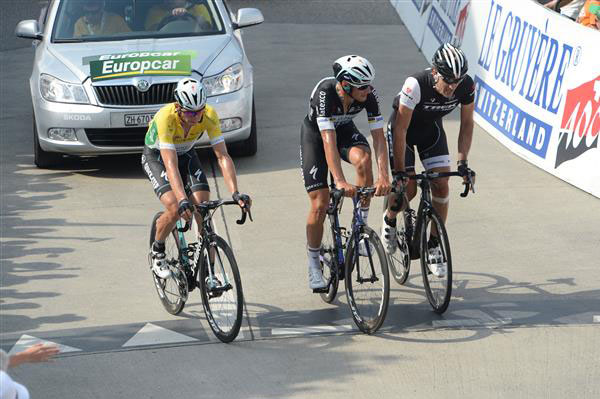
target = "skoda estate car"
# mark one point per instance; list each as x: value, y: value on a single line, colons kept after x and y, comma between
x: 103, y: 68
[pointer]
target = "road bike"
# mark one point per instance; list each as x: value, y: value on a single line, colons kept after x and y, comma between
x: 356, y: 256
x: 413, y: 235
x: 208, y: 264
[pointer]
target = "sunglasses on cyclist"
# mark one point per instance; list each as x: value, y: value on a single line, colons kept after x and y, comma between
x: 191, y: 114
x: 452, y: 81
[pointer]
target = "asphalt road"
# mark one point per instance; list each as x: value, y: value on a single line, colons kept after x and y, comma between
x: 525, y: 315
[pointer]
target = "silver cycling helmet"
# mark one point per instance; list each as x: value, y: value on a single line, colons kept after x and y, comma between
x: 354, y: 69
x: 190, y: 94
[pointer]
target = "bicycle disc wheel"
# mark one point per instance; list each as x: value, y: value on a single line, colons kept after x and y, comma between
x: 437, y: 288
x: 367, y: 282
x: 222, y: 297
x: 399, y: 261
x: 328, y: 259
x: 172, y: 291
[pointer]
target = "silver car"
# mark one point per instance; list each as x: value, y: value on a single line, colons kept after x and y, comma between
x: 102, y: 69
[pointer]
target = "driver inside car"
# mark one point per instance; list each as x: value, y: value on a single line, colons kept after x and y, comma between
x: 175, y: 8
x: 95, y: 21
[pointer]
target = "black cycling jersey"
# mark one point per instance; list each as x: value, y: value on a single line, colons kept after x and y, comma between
x: 427, y: 104
x: 327, y: 111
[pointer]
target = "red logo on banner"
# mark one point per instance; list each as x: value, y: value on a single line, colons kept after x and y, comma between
x: 580, y: 126
x: 460, y: 25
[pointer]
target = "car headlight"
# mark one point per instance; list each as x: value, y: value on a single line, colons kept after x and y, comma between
x: 56, y: 90
x: 228, y: 81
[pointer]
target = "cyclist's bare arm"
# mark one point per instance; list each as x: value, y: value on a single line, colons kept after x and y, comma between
x: 226, y: 165
x: 403, y: 118
x: 465, y: 134
x: 332, y: 156
x: 382, y: 185
x: 169, y: 158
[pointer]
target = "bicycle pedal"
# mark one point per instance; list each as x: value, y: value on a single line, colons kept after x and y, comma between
x: 323, y: 290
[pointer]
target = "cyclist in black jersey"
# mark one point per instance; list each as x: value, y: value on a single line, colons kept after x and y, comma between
x: 328, y: 135
x: 426, y: 97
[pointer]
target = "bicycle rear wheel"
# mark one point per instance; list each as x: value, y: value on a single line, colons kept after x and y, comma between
x: 329, y: 265
x: 222, y: 297
x: 172, y: 291
x: 437, y: 288
x: 367, y: 282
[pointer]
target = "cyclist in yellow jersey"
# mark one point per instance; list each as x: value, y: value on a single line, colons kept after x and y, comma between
x: 173, y: 166
x: 160, y: 12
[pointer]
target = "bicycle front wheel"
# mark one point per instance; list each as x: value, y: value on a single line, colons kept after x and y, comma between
x: 221, y: 289
x: 436, y: 262
x: 329, y: 264
x: 172, y: 291
x: 367, y: 281
x: 399, y: 261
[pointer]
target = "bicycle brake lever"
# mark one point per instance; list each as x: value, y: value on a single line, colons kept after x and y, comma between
x: 185, y: 228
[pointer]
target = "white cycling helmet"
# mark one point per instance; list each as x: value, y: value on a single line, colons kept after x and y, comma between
x: 190, y: 94
x: 354, y: 69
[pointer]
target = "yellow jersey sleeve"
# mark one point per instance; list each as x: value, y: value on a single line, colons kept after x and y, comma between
x: 213, y: 127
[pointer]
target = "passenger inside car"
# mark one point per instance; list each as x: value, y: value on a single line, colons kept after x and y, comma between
x: 159, y: 12
x: 96, y: 21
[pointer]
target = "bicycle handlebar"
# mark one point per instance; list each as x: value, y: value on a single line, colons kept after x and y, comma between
x: 210, y: 205
x: 427, y: 175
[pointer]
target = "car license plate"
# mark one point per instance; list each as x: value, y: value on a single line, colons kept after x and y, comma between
x: 138, y: 119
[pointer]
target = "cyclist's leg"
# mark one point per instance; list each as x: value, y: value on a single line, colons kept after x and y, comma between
x: 354, y: 148
x: 314, y: 173
x: 435, y: 157
x: 196, y: 183
x: 156, y: 172
x: 395, y: 205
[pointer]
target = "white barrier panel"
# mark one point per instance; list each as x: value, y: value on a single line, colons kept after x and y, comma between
x: 537, y: 77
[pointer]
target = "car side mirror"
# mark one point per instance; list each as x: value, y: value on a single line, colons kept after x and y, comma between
x: 248, y: 17
x: 29, y: 29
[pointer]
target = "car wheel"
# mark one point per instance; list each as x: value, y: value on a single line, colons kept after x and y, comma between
x: 41, y: 158
x: 248, y: 147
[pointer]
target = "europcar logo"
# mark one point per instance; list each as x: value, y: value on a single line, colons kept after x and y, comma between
x: 113, y: 66
x: 580, y: 126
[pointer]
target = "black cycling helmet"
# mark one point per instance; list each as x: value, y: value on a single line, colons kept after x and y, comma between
x: 450, y: 62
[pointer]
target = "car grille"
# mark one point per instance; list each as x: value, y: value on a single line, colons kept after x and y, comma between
x: 125, y: 137
x: 160, y: 93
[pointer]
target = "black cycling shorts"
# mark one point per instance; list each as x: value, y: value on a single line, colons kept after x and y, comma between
x: 312, y: 153
x: 430, y: 140
x: 190, y: 169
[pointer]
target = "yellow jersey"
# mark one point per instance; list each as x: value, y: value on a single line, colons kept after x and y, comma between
x: 165, y: 130
x: 109, y: 25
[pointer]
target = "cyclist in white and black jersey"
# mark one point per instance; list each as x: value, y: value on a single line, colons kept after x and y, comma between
x: 328, y: 135
x: 426, y: 97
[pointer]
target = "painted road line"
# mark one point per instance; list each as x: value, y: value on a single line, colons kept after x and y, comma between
x: 487, y: 322
x: 152, y: 334
x: 597, y: 319
x: 28, y: 340
x: 311, y: 330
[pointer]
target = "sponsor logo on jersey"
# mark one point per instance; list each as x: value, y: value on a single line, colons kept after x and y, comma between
x: 580, y: 126
x: 322, y: 108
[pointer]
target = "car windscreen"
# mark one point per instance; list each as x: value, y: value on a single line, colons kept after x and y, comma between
x: 103, y: 20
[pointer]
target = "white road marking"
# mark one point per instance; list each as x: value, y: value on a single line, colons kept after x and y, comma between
x: 27, y: 340
x: 152, y: 334
x: 597, y: 319
x: 486, y: 322
x: 311, y: 330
